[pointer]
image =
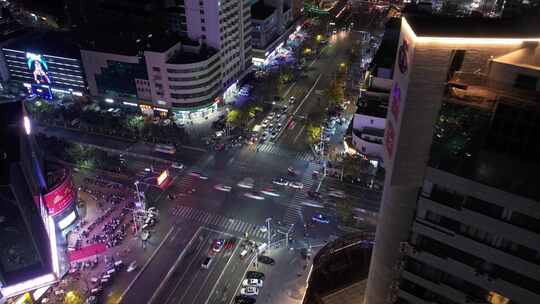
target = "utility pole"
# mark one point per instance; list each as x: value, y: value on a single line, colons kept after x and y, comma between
x: 268, y: 229
x: 323, y: 158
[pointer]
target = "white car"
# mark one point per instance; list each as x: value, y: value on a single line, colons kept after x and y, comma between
x: 246, y: 183
x: 249, y: 291
x: 271, y: 115
x: 336, y: 193
x: 198, y: 174
x: 270, y: 192
x: 178, y: 166
x: 292, y: 99
x: 132, y: 266
x: 254, y: 196
x: 296, y: 185
x: 280, y: 181
x: 223, y: 188
x: 252, y: 282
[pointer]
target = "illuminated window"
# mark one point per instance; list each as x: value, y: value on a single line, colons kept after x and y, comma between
x: 495, y: 298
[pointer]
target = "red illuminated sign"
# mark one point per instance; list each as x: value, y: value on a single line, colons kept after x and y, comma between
x: 390, y: 139
x: 61, y: 197
x: 162, y: 177
x: 403, y: 61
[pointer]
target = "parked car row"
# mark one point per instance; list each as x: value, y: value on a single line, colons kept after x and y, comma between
x: 251, y: 285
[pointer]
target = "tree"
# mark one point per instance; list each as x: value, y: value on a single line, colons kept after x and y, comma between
x: 353, y: 166
x: 345, y: 212
x: 73, y: 297
x: 135, y: 123
x: 334, y: 93
x: 314, y: 133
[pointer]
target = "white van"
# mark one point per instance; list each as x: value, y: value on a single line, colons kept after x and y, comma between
x: 262, y: 247
x: 243, y: 253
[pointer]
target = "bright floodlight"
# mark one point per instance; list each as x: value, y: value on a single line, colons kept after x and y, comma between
x: 26, y: 122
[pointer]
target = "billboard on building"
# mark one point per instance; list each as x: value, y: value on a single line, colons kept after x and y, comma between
x: 38, y: 67
x: 61, y: 198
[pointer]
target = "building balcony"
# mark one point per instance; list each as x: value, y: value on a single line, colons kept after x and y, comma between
x: 441, y: 289
x: 473, y: 218
x: 409, y: 297
x: 478, y: 249
x: 489, y: 281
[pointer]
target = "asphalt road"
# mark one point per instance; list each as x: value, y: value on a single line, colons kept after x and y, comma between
x: 199, y: 210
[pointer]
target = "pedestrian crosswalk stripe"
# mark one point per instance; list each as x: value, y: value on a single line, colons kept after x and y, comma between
x: 217, y: 220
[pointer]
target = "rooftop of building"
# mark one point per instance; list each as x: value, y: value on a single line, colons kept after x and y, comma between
x: 490, y: 138
x: 474, y: 27
x: 386, y: 53
x: 373, y: 105
x: 261, y: 11
x: 188, y: 56
x: 56, y: 43
x: 131, y: 44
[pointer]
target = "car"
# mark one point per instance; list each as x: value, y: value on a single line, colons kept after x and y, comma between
x: 177, y: 165
x: 337, y: 194
x: 291, y: 171
x: 314, y: 195
x: 198, y: 175
x: 280, y: 181
x: 254, y: 275
x: 270, y: 192
x: 224, y: 188
x: 271, y: 115
x: 274, y: 135
x: 296, y: 185
x: 249, y: 291
x: 244, y: 300
x: 263, y: 229
x: 320, y: 218
x: 292, y: 99
x: 246, y: 183
x: 132, y: 266
x: 265, y: 123
x: 217, y: 245
x: 284, y: 108
x: 266, y: 260
x: 254, y: 195
x: 252, y: 282
x: 206, y: 262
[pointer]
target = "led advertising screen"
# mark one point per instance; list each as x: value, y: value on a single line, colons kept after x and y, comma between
x: 38, y: 67
x: 61, y: 197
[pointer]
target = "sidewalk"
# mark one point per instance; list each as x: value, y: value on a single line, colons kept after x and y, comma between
x: 286, y: 281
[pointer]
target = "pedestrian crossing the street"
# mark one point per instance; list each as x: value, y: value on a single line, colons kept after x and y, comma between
x: 274, y: 149
x: 294, y: 208
x: 211, y: 219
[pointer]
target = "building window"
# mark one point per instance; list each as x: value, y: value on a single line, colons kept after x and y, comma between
x: 202, y: 20
x: 156, y: 69
x: 203, y: 28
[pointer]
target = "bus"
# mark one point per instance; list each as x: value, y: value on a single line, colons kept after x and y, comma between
x: 167, y: 149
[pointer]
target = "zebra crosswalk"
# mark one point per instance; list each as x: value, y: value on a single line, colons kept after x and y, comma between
x: 294, y: 208
x: 216, y: 220
x: 274, y: 149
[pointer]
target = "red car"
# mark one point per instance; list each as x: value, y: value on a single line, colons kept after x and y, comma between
x: 218, y: 245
